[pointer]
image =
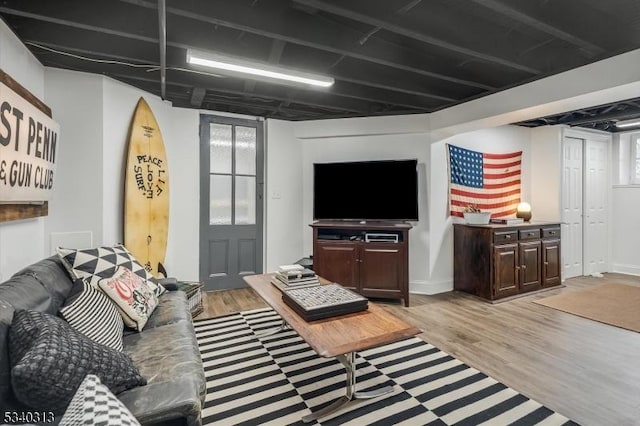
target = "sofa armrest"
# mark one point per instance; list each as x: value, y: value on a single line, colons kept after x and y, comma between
x: 169, y: 283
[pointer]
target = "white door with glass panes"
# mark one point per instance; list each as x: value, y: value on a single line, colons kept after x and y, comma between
x: 231, y: 183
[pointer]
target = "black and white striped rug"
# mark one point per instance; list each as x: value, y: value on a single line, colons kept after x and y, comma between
x: 278, y: 379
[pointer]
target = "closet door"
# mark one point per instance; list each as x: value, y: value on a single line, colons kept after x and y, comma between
x: 572, y: 171
x: 585, y: 195
x: 595, y: 207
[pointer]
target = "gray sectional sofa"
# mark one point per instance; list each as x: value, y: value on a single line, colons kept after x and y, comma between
x: 165, y: 352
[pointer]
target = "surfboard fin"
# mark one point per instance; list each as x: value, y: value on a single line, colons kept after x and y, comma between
x: 161, y: 270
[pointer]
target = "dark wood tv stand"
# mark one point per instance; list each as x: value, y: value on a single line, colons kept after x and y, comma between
x: 371, y: 258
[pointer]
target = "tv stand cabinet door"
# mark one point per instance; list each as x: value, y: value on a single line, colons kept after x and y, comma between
x: 381, y: 270
x: 337, y: 262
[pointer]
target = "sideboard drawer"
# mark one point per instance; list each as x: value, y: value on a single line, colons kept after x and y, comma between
x: 550, y: 232
x: 505, y: 237
x: 529, y: 234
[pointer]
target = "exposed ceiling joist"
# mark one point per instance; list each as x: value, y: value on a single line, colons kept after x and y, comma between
x: 544, y: 27
x: 79, y: 25
x: 602, y: 117
x: 317, y: 103
x: 360, y: 17
x: 407, y: 86
x: 197, y: 96
x: 277, y: 47
x: 307, y: 34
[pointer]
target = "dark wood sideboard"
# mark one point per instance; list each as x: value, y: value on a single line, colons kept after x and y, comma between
x: 497, y: 261
x: 379, y: 268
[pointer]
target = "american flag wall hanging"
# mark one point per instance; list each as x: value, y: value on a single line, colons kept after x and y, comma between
x: 489, y: 181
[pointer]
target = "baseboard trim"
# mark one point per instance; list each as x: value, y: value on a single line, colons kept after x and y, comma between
x: 626, y: 269
x: 430, y: 287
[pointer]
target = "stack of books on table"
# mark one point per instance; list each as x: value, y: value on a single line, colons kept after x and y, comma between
x: 293, y: 276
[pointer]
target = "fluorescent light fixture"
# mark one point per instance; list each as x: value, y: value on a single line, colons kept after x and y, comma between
x: 628, y: 123
x: 243, y: 66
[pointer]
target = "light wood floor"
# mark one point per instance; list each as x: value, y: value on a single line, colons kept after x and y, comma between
x: 584, y: 369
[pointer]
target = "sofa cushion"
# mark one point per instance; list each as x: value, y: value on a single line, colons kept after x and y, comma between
x: 101, y: 262
x: 92, y: 313
x: 94, y: 404
x: 131, y: 295
x: 49, y: 360
x: 169, y: 357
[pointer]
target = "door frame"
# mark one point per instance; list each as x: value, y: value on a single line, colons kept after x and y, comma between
x: 597, y: 136
x: 203, y: 208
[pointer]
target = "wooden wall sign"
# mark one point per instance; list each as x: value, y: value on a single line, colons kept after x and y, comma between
x: 28, y: 147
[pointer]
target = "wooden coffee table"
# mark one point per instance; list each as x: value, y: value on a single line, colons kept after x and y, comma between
x: 341, y: 336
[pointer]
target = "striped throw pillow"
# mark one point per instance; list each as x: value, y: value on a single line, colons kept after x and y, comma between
x: 90, y: 312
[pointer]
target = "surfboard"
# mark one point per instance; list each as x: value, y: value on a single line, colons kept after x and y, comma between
x: 146, y: 206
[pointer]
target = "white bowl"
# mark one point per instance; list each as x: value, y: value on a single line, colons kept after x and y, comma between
x: 481, y: 218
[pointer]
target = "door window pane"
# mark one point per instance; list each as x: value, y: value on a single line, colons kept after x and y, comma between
x: 245, y: 200
x: 245, y: 150
x: 220, y: 148
x: 219, y: 200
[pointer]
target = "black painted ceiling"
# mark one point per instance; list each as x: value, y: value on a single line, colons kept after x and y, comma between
x: 387, y: 57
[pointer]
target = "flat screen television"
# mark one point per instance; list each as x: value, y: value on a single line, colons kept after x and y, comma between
x: 366, y: 190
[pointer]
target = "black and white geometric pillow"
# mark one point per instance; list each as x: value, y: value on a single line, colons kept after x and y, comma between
x: 89, y: 311
x: 94, y: 404
x: 93, y: 264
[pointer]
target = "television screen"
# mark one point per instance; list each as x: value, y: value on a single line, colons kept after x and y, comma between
x: 366, y: 190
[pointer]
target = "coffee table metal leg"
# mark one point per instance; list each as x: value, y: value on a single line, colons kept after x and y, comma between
x: 349, y: 362
x: 283, y: 326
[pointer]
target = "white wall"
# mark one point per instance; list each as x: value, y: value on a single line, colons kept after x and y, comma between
x: 283, y: 196
x: 625, y: 200
x: 180, y: 130
x: 601, y: 82
x: 21, y: 242
x: 76, y: 204
x: 360, y: 140
x: 499, y: 140
x: 625, y: 229
x: 182, y: 142
x: 119, y: 102
x: 95, y: 118
x: 546, y: 173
